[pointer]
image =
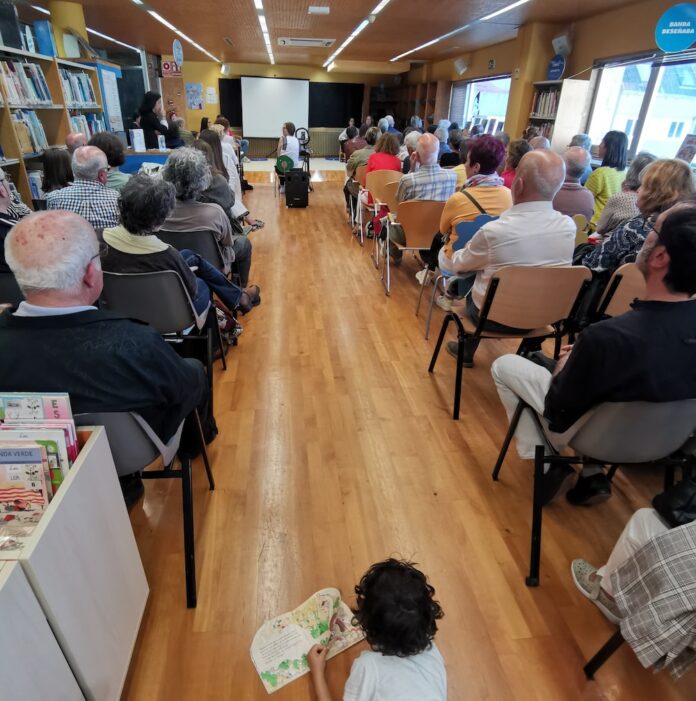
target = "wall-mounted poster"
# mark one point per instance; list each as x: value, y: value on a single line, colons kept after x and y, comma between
x: 194, y: 96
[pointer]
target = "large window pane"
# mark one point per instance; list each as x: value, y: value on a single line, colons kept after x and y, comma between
x: 672, y: 111
x: 485, y: 102
x: 619, y: 98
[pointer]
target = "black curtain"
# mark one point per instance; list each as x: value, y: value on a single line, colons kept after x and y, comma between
x: 230, y: 90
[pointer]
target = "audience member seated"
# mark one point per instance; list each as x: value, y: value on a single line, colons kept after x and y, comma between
x: 441, y: 136
x: 173, y: 139
x: 152, y: 120
x: 359, y: 158
x: 451, y: 159
x: 343, y: 136
x: 539, y: 142
x: 530, y: 233
x: 288, y: 145
x: 75, y: 140
x: 664, y: 183
x: 573, y: 198
x: 504, y: 137
x: 460, y: 169
x: 368, y: 122
x: 647, y: 354
x: 598, y: 584
x: 583, y: 141
x: 391, y: 128
x: 58, y: 341
x: 516, y: 149
x: 606, y: 180
x: 383, y: 125
x: 417, y: 123
x: 57, y: 169
x: 355, y: 141
x: 383, y: 158
x: 8, y: 217
x: 115, y: 154
x: 531, y: 133
x: 411, y: 144
x: 189, y: 172
x: 475, y: 131
x: 134, y: 248
x: 185, y: 135
x: 88, y: 196
x: 622, y: 206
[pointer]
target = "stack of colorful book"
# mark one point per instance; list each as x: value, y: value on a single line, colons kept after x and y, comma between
x: 77, y: 88
x: 25, y: 83
x: 88, y: 124
x: 30, y: 131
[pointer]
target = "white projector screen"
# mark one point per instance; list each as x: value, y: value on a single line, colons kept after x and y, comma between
x: 269, y: 102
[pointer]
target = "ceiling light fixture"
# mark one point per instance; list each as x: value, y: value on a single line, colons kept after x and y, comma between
x: 138, y: 2
x: 501, y: 11
x: 260, y: 14
x: 380, y: 7
x: 178, y: 32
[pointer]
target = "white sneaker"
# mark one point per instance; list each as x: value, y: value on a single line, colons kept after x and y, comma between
x: 246, y: 159
x: 444, y: 303
x: 421, y: 276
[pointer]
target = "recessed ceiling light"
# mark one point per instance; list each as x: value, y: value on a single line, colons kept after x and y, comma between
x: 320, y: 9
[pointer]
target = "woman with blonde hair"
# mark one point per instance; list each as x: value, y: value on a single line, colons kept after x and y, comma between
x: 663, y: 183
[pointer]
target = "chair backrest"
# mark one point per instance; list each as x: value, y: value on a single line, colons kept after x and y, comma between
x: 530, y: 298
x: 158, y: 298
x: 580, y: 228
x: 284, y: 163
x: 420, y: 220
x: 466, y: 229
x: 9, y: 290
x: 636, y: 432
x: 389, y: 195
x: 130, y: 445
x: 202, y: 242
x: 360, y: 175
x: 626, y: 284
x: 377, y: 179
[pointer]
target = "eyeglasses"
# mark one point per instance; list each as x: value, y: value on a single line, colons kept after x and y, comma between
x: 103, y: 251
x: 650, y: 226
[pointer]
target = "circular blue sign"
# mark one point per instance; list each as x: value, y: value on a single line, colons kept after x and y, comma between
x: 556, y: 68
x: 676, y: 29
x: 178, y: 52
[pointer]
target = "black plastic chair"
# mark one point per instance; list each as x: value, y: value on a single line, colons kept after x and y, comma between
x: 9, y: 290
x: 203, y: 243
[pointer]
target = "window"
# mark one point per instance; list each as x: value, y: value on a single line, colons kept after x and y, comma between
x: 652, y: 101
x: 481, y: 102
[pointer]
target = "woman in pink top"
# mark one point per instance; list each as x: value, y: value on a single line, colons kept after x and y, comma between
x: 516, y: 150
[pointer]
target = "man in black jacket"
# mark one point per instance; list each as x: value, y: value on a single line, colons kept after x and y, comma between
x: 647, y: 354
x: 57, y: 341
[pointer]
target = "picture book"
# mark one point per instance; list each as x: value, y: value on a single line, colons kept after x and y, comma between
x: 32, y: 406
x: 279, y: 648
x: 23, y: 495
x: 67, y: 426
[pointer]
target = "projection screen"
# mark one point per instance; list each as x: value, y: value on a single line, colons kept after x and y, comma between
x: 268, y: 102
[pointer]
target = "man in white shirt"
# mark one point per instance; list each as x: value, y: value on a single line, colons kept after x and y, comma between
x: 530, y: 233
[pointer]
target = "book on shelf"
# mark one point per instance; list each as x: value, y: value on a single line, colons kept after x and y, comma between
x: 30, y: 131
x: 545, y: 103
x: 88, y: 124
x: 36, y: 184
x: 25, y: 83
x: 23, y: 468
x: 279, y: 649
x: 77, y: 88
x: 43, y: 32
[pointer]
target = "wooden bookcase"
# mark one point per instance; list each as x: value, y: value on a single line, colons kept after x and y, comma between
x: 558, y: 110
x: 55, y: 117
x: 426, y: 100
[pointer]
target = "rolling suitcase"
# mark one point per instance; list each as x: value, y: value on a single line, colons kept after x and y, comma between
x: 297, y: 188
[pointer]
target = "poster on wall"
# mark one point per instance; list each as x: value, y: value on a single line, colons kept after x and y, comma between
x: 194, y: 96
x: 211, y: 97
x: 112, y: 102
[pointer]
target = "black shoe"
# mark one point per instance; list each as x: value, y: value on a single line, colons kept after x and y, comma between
x: 590, y: 490
x: 538, y: 358
x: 132, y: 488
x: 467, y: 361
x: 558, y: 478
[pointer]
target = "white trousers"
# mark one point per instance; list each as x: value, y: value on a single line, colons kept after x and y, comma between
x: 642, y: 527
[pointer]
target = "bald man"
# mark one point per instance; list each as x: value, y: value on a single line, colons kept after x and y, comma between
x: 88, y: 196
x: 539, y: 142
x: 75, y: 140
x: 58, y: 341
x: 573, y: 198
x: 530, y: 233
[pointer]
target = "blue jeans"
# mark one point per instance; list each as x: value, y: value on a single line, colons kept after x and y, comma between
x: 210, y: 279
x: 243, y: 147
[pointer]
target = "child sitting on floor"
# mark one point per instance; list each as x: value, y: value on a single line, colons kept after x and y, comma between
x: 397, y: 611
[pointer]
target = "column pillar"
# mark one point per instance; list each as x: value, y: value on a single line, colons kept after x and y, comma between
x: 66, y: 15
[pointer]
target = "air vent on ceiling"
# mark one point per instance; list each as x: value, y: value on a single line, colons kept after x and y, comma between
x: 306, y: 42
x: 228, y: 41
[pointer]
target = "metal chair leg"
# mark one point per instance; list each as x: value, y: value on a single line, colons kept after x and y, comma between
x: 189, y: 541
x: 602, y: 655
x: 432, y: 304
x: 539, y: 457
x: 458, y: 376
x: 223, y: 350
x: 426, y: 279
x: 204, y: 451
x: 386, y: 268
x: 508, y: 437
x: 445, y: 323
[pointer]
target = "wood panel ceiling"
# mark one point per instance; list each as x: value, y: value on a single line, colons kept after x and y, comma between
x: 401, y: 26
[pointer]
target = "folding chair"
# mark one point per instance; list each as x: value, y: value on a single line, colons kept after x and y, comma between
x: 9, y: 290
x: 161, y: 300
x: 532, y: 298
x: 465, y: 232
x: 420, y: 221
x: 580, y: 229
x: 360, y: 177
x: 614, y: 433
x: 137, y: 448
x: 201, y: 242
x: 376, y: 182
x: 626, y: 284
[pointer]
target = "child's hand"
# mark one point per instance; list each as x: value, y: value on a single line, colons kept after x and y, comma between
x: 316, y: 658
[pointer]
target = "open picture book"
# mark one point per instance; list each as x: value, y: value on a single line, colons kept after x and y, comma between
x: 279, y: 648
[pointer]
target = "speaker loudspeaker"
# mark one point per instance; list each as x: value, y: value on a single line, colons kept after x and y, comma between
x: 226, y: 69
x: 561, y: 45
x: 460, y: 65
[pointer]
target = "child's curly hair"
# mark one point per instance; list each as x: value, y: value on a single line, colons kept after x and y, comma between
x: 396, y: 609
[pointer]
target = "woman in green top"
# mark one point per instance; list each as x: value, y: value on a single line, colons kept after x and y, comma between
x: 112, y: 147
x: 606, y: 180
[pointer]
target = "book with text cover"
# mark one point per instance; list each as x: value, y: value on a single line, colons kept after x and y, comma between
x: 23, y: 495
x: 279, y: 648
x: 33, y: 406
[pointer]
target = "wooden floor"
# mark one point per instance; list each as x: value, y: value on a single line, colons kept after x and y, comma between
x: 337, y: 449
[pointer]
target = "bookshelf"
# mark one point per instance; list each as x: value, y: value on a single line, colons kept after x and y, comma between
x: 558, y: 109
x: 32, y: 121
x: 430, y: 99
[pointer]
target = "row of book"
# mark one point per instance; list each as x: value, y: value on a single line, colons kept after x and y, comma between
x: 77, y: 88
x: 38, y: 446
x: 545, y: 129
x: 30, y: 131
x: 25, y: 83
x: 88, y: 124
x: 545, y: 103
